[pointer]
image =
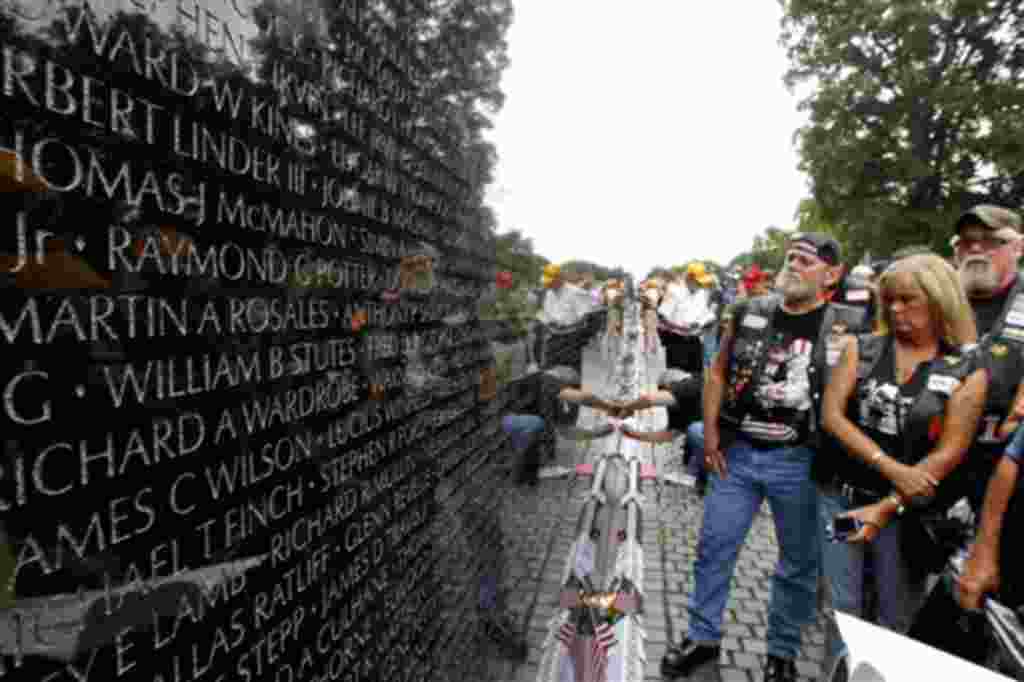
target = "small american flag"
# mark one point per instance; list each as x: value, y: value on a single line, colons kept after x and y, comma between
x: 604, y: 639
x: 567, y: 634
x: 592, y: 659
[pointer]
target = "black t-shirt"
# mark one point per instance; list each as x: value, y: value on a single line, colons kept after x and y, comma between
x: 879, y: 407
x: 782, y: 400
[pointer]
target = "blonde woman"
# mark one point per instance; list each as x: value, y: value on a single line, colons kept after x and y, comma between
x: 903, y: 405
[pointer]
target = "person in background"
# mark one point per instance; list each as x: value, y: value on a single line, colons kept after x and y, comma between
x: 650, y: 298
x: 684, y: 315
x: 902, y: 406
x: 525, y: 430
x: 859, y: 290
x: 761, y: 403
x: 564, y: 303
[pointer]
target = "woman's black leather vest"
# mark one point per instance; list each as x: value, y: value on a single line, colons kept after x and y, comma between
x: 922, y: 423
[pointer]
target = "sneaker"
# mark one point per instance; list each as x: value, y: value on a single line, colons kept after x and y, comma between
x: 779, y: 669
x: 681, y: 661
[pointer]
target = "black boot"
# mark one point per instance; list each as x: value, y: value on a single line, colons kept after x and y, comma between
x: 681, y: 661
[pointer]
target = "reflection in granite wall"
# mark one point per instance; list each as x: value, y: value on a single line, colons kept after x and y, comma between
x: 245, y: 239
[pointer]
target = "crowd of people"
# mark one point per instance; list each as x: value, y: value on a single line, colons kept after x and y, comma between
x: 862, y: 404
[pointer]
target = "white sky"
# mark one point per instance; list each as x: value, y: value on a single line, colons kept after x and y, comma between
x: 645, y: 133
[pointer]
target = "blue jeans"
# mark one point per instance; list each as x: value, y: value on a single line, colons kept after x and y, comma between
x: 695, y: 448
x: 524, y: 430
x: 782, y: 475
x: 898, y: 594
x: 710, y: 342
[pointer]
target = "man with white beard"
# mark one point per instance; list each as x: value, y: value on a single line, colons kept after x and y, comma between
x: 987, y: 248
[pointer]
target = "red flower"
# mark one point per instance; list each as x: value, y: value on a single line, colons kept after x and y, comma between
x: 504, y: 280
x: 359, y: 320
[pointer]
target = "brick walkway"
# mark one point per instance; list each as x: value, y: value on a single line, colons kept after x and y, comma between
x: 540, y: 526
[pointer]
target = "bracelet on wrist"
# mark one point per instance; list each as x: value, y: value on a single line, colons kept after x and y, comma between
x: 898, y: 501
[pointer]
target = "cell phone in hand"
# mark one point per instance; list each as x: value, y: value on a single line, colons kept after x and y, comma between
x: 841, y: 528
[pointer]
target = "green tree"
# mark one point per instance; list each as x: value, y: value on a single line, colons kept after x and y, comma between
x: 810, y: 217
x: 768, y: 250
x: 916, y: 112
x: 600, y: 272
x: 515, y: 253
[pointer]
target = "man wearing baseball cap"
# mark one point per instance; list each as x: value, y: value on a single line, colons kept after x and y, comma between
x: 761, y: 421
x: 684, y: 315
x: 987, y: 246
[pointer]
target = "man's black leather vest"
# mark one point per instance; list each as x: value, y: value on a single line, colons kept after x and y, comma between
x: 922, y: 423
x: 753, y: 323
x: 1001, y: 352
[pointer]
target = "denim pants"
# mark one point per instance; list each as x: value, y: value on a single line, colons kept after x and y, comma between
x: 524, y: 430
x: 710, y: 342
x: 695, y: 451
x: 782, y: 476
x: 899, y: 593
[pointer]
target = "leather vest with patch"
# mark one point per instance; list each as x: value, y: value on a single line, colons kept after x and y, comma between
x: 1001, y: 353
x: 754, y: 323
x: 921, y: 423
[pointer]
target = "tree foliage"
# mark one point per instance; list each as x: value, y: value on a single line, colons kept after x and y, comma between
x: 514, y: 253
x: 600, y: 272
x: 768, y: 250
x: 916, y: 113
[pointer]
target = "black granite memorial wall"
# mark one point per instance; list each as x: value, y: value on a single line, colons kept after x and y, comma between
x: 239, y: 353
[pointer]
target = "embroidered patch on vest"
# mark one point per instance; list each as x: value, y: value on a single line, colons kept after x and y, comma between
x: 755, y: 321
x: 833, y: 347
x: 942, y: 384
x: 999, y: 350
x: 1015, y: 318
x: 1015, y: 334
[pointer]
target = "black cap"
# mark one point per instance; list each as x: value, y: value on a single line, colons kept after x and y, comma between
x: 817, y: 244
